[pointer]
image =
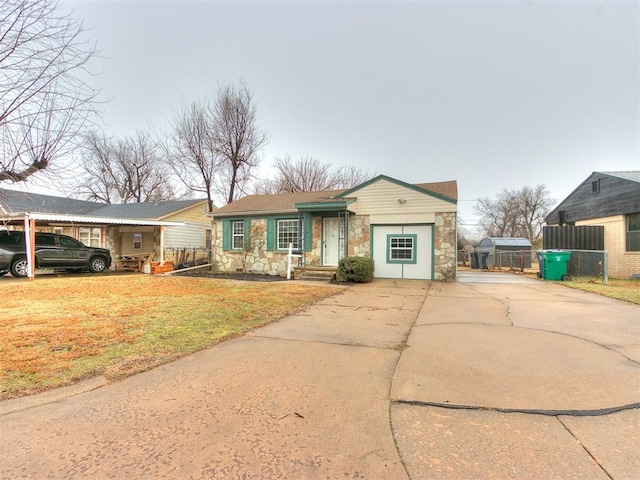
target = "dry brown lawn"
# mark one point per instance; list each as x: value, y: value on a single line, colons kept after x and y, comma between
x: 58, y: 330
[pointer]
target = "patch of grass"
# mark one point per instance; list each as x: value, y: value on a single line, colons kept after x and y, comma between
x: 621, y: 289
x: 56, y: 331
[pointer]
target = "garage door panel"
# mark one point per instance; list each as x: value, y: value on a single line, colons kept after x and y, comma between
x: 423, y: 252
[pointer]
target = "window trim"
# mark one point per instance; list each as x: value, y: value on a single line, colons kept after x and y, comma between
x: 233, y: 235
x: 133, y: 240
x: 628, y: 232
x: 414, y: 248
x: 296, y: 245
x: 93, y: 233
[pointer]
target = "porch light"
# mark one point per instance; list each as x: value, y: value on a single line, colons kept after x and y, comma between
x: 402, y: 200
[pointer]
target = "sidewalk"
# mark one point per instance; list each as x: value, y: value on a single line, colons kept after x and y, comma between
x: 388, y: 380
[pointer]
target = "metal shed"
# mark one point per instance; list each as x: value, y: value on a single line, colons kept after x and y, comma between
x: 504, y: 252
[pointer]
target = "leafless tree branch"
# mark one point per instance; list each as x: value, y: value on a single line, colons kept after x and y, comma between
x: 44, y: 100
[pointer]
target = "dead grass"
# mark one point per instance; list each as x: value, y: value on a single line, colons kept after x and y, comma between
x: 621, y: 289
x: 56, y: 331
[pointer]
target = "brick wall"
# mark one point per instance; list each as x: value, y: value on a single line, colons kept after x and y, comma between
x: 621, y: 263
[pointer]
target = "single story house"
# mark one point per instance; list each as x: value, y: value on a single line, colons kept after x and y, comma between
x: 125, y: 229
x: 611, y: 200
x: 409, y: 230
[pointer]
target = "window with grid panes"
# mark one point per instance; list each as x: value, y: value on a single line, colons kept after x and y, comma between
x: 237, y: 235
x: 401, y: 248
x: 288, y: 233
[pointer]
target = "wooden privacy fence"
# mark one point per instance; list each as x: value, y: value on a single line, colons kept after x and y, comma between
x: 584, y: 237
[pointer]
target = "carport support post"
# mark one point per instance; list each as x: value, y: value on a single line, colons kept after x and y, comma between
x: 162, y: 245
x: 30, y: 245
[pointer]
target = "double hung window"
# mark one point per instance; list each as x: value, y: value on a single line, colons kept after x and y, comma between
x: 288, y: 233
x: 237, y: 235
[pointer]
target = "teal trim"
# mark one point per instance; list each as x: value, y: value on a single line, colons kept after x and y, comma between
x: 275, y: 219
x: 324, y: 206
x: 308, y: 233
x: 271, y: 233
x: 433, y: 250
x: 225, y: 234
x: 397, y: 182
x: 414, y: 248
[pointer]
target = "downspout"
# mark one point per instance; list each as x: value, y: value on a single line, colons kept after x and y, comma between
x: 30, y: 245
x: 161, y: 244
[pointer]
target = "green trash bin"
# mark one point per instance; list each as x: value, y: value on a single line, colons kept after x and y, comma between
x: 555, y: 264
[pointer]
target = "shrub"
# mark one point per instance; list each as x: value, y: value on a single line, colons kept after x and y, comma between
x: 355, y: 269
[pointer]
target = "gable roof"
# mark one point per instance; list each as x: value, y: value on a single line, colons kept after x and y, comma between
x: 273, y: 203
x: 581, y: 204
x: 445, y: 190
x: 632, y: 176
x: 155, y: 210
x: 14, y: 201
x: 287, y: 203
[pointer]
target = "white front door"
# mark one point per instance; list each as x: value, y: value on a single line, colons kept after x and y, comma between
x: 331, y: 241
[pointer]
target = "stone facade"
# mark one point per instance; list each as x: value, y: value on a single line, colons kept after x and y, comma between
x: 444, y: 255
x: 359, y: 236
x: 258, y: 259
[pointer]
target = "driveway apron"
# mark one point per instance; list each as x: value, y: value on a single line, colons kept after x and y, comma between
x: 488, y: 377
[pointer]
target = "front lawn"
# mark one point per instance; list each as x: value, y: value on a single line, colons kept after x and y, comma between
x: 58, y: 330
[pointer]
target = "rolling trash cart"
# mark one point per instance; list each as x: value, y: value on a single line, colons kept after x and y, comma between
x: 553, y: 264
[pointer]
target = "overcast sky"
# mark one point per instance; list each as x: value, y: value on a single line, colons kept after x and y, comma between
x: 495, y: 95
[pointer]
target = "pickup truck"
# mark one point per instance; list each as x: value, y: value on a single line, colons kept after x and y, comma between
x: 52, y: 251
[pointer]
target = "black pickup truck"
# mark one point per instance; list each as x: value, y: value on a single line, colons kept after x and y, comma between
x: 52, y: 251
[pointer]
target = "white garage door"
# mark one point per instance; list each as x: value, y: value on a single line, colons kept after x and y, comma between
x: 403, y: 251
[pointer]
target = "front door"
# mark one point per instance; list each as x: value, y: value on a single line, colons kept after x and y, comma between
x: 331, y: 241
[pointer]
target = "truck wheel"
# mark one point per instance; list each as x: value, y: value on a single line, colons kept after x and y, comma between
x: 19, y: 267
x: 97, y: 265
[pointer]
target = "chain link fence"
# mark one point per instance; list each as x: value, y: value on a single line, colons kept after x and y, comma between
x: 582, y: 263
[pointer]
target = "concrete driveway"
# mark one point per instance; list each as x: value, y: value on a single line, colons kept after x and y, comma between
x: 388, y: 380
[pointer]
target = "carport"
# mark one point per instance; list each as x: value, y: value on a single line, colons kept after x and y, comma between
x: 30, y: 220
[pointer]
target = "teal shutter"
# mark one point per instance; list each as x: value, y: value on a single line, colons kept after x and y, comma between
x: 225, y: 235
x: 271, y: 233
x: 308, y: 234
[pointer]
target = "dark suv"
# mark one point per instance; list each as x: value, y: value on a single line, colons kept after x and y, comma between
x: 52, y: 251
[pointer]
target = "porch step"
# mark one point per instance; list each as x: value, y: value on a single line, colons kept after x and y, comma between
x: 318, y: 274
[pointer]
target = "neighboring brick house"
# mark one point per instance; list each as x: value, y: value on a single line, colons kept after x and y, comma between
x: 610, y: 199
x: 408, y: 229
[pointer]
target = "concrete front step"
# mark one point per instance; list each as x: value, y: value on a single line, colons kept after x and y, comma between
x: 315, y: 273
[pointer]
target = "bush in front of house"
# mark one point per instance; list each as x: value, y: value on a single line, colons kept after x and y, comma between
x: 355, y: 269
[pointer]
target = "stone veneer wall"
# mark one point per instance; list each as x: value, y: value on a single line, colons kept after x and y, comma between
x: 444, y: 255
x: 258, y: 259
x: 359, y: 236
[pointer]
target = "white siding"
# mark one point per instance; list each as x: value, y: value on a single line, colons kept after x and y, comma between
x: 191, y: 235
x: 381, y: 198
x: 402, y: 218
x: 422, y: 269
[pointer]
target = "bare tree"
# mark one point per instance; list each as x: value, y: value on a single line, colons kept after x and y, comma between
x: 307, y: 175
x: 515, y: 213
x: 44, y: 99
x: 238, y: 138
x: 190, y: 149
x: 124, y: 170
x: 213, y: 147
